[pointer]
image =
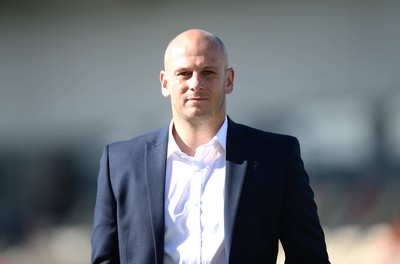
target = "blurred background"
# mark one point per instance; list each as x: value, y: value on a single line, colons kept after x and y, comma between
x: 76, y: 75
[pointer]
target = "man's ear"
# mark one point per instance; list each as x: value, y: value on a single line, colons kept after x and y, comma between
x: 164, y: 84
x: 230, y: 77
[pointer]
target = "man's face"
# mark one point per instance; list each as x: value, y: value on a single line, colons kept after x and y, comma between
x: 197, y: 80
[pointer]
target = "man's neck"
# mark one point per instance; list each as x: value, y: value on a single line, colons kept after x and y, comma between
x: 190, y: 136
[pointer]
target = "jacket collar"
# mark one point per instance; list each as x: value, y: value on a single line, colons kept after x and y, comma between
x: 155, y: 165
x: 236, y: 164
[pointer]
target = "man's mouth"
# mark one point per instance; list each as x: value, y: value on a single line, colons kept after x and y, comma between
x: 197, y: 99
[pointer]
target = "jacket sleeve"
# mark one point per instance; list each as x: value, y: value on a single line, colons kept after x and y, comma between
x: 301, y: 234
x: 105, y: 232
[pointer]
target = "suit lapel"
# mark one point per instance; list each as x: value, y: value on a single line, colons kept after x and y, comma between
x: 236, y: 164
x: 155, y: 158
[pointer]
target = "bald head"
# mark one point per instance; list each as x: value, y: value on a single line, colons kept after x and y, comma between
x: 194, y: 41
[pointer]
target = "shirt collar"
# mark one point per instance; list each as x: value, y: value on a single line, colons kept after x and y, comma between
x: 220, y: 137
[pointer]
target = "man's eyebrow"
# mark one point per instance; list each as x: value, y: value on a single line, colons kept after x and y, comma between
x: 182, y: 69
x: 210, y: 67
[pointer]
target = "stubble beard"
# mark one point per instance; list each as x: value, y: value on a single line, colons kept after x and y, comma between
x: 199, y: 116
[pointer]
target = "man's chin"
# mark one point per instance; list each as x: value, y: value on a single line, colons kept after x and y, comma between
x: 197, y: 116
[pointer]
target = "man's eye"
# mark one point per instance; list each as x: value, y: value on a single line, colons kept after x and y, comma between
x: 207, y: 73
x: 185, y: 74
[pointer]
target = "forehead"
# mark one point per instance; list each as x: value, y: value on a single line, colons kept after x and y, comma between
x: 187, y: 61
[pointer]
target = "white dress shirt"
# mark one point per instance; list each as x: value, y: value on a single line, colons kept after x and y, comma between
x: 194, y: 202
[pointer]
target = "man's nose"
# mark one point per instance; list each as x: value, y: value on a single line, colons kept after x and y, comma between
x: 195, y: 81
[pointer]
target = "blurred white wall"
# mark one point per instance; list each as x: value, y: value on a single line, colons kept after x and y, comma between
x: 90, y: 69
x: 76, y: 75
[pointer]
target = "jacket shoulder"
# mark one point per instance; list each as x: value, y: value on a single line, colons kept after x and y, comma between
x: 260, y: 136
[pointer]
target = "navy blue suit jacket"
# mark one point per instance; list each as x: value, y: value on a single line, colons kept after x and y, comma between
x: 267, y: 198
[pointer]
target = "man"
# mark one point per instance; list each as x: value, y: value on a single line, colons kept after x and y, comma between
x: 204, y: 189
